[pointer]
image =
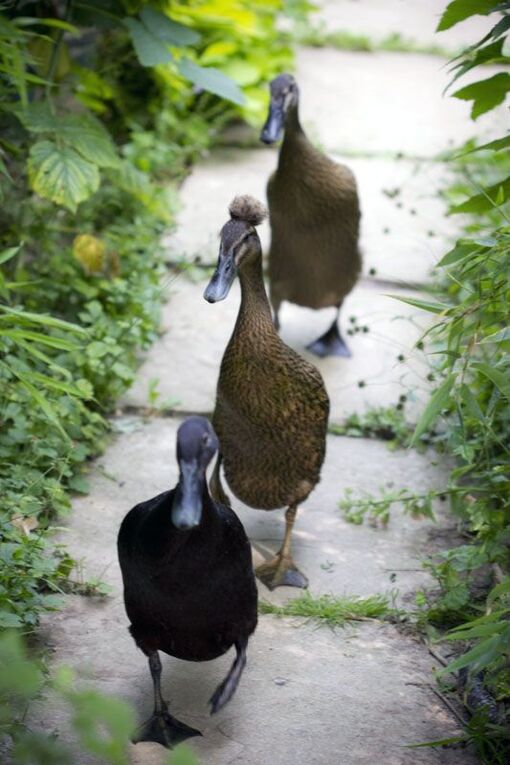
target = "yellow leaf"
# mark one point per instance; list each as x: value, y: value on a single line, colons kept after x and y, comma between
x: 89, y: 251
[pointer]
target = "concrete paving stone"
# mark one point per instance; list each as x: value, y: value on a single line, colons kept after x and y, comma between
x: 414, y: 20
x: 404, y: 231
x: 386, y: 102
x: 309, y: 695
x: 186, y: 359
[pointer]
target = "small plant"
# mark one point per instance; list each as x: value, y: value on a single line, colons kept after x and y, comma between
x: 377, y: 507
x: 386, y: 423
x: 333, y: 610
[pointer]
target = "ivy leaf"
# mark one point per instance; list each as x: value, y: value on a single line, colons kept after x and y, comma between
x: 458, y: 10
x: 61, y: 174
x: 212, y: 80
x: 437, y: 402
x: 166, y: 29
x: 485, y: 94
x: 150, y: 50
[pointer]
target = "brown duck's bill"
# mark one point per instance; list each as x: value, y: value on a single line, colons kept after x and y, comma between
x: 274, y: 124
x: 221, y: 281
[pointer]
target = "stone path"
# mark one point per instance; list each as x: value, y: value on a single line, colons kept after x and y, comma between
x: 310, y: 695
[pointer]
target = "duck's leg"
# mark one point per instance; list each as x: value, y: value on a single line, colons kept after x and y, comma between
x: 215, y: 485
x: 281, y: 570
x: 161, y: 727
x: 331, y: 343
x: 227, y: 688
x: 276, y: 312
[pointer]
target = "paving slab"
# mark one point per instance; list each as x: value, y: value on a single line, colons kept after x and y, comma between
x: 186, y: 359
x: 386, y: 102
x: 414, y: 20
x: 309, y: 695
x: 404, y: 229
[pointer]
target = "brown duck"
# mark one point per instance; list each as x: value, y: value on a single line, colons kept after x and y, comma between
x: 271, y: 405
x: 314, y: 259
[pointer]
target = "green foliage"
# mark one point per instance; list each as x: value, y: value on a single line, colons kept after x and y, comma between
x: 385, y: 423
x: 319, y: 36
x: 377, y: 508
x: 102, y: 726
x: 333, y: 610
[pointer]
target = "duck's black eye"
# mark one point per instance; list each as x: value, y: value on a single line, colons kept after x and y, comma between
x: 206, y: 439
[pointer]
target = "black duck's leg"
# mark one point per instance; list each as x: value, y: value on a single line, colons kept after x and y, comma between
x: 331, y: 343
x: 282, y: 570
x: 227, y: 688
x: 162, y: 727
x: 215, y: 485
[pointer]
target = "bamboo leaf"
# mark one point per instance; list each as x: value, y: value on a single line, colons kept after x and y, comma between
x: 500, y: 379
x: 9, y: 253
x: 498, y: 337
x: 437, y: 402
x: 41, y: 318
x: 425, y: 305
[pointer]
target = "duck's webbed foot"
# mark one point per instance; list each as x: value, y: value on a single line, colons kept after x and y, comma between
x: 161, y: 727
x: 281, y: 571
x: 164, y: 729
x: 227, y: 688
x: 331, y: 343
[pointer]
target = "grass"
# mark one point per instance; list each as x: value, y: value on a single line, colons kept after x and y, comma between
x: 333, y: 610
x: 384, y: 423
x: 319, y: 37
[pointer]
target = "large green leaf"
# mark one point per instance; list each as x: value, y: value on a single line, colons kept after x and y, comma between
x: 150, y: 50
x: 82, y: 132
x: 165, y: 29
x: 212, y: 80
x: 490, y: 197
x: 90, y: 138
x: 485, y: 94
x: 458, y: 10
x: 437, y: 402
x: 61, y: 174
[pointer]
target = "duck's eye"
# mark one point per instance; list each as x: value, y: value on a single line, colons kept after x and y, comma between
x: 206, y: 439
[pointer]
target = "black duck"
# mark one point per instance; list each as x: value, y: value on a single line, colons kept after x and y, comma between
x: 314, y: 259
x: 271, y: 405
x: 189, y: 588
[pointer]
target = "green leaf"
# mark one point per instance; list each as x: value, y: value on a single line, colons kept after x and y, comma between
x: 212, y: 80
x: 43, y: 319
x: 462, y: 249
x: 150, y: 50
x: 79, y: 484
x: 479, y: 656
x: 484, y: 55
x: 423, y: 304
x: 496, y: 145
x: 182, y: 755
x: 498, y: 337
x: 437, y: 402
x: 43, y: 403
x: 490, y: 197
x: 471, y: 403
x: 485, y: 94
x: 9, y: 253
x: 61, y: 174
x: 458, y: 10
x: 167, y: 30
x: 500, y: 379
x: 90, y: 138
x: 8, y: 620
x: 500, y: 589
x: 38, y: 337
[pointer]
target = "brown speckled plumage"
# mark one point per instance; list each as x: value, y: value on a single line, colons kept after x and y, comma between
x: 271, y: 406
x: 314, y: 259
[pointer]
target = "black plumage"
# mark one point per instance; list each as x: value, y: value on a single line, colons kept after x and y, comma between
x: 189, y: 588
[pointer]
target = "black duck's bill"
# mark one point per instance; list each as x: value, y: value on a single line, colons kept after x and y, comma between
x: 274, y: 125
x: 187, y: 504
x: 221, y: 281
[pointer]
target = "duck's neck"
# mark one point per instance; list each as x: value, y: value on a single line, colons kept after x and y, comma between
x: 294, y: 138
x: 254, y: 309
